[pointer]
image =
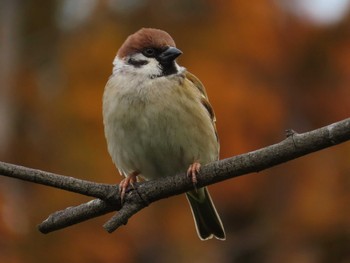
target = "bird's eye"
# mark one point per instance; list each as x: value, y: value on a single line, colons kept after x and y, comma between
x: 149, y: 52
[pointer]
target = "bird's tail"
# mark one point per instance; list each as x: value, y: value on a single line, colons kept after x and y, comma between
x: 207, y: 220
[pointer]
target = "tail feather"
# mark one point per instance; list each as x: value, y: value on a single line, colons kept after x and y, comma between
x: 207, y: 220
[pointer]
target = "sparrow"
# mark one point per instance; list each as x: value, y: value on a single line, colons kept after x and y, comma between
x: 158, y: 121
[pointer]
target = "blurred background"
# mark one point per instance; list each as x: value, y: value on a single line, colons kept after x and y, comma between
x: 267, y: 65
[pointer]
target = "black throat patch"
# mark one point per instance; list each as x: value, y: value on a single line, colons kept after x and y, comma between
x: 168, y: 68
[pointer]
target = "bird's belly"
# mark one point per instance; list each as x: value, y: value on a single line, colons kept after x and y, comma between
x: 158, y: 138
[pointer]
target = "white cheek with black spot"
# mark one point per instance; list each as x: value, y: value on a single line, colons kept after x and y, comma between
x: 149, y: 68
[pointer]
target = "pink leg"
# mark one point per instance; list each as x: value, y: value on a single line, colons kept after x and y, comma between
x: 192, y: 172
x: 129, y: 180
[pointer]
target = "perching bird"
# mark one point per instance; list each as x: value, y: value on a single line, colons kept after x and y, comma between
x: 158, y: 120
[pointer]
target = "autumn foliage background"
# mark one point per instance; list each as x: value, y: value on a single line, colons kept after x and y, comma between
x: 266, y: 69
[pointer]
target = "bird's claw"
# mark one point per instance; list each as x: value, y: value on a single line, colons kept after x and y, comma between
x: 192, y: 172
x: 128, y: 180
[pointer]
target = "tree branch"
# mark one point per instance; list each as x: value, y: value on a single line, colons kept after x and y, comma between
x: 294, y: 146
x: 55, y: 180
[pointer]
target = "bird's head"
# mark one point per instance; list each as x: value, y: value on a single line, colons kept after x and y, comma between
x: 149, y: 51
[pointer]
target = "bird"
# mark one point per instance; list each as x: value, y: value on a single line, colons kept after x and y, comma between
x: 158, y: 121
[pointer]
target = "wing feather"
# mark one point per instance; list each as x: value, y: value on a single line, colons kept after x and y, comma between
x: 204, y: 100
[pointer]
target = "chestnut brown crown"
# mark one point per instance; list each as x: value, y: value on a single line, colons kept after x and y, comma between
x: 145, y: 38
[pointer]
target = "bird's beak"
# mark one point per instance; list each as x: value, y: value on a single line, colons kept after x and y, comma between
x: 169, y: 55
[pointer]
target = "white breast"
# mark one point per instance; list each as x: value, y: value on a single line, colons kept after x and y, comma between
x: 157, y: 127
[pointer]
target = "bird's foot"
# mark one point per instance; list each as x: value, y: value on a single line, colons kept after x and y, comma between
x: 192, y: 172
x: 129, y: 180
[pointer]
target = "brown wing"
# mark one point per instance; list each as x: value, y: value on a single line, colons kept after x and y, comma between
x: 198, y: 84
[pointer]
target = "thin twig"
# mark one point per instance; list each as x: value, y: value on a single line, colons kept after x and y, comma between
x: 68, y: 183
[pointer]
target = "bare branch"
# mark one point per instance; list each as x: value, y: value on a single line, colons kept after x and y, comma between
x: 294, y: 146
x: 55, y: 180
x: 75, y: 215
